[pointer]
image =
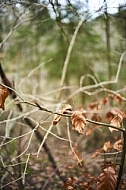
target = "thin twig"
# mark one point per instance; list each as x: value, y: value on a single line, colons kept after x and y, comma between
x: 70, y: 48
x: 12, y: 30
x: 71, y: 146
x: 25, y: 169
x: 15, y: 138
x: 28, y: 145
x: 70, y: 114
x: 8, y: 87
x: 105, y: 124
x: 44, y: 139
x: 37, y: 134
x: 58, y: 137
x: 47, y: 150
x: 100, y: 84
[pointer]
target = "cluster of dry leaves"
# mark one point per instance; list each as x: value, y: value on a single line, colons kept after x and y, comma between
x: 79, y: 117
x: 108, y: 147
x: 107, y: 180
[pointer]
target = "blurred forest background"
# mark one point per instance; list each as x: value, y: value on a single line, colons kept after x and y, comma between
x: 54, y: 53
x: 34, y: 32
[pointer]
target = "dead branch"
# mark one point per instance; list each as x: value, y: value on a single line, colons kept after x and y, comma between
x: 46, y: 148
x: 30, y: 124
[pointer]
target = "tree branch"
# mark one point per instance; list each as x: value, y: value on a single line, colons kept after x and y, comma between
x: 30, y: 124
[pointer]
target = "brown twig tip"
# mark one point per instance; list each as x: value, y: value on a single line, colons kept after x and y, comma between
x: 43, y: 109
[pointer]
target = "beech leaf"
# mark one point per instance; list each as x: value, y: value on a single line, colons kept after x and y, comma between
x: 89, y: 131
x: 66, y: 110
x: 118, y: 145
x: 107, y: 179
x: 79, y: 121
x: 3, y: 95
x: 57, y: 117
x: 96, y: 153
x: 115, y: 118
x: 107, y: 146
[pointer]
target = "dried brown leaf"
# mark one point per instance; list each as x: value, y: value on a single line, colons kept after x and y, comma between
x: 79, y: 121
x: 89, y: 131
x: 105, y: 101
x: 70, y: 183
x: 66, y: 110
x: 107, y: 179
x: 116, y: 97
x: 117, y: 120
x: 115, y: 117
x: 118, y: 145
x: 107, y: 146
x: 111, y: 114
x: 3, y: 95
x: 96, y: 117
x: 96, y: 153
x: 94, y: 105
x: 57, y: 117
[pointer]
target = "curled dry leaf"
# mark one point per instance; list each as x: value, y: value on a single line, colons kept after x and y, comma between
x: 66, y: 110
x: 107, y: 179
x: 104, y: 101
x: 70, y: 183
x: 115, y: 118
x: 118, y: 145
x: 3, y: 95
x: 79, y: 121
x: 96, y: 153
x: 107, y: 146
x: 112, y: 113
x: 96, y: 117
x: 118, y: 98
x: 57, y: 117
x: 94, y: 105
x: 89, y: 131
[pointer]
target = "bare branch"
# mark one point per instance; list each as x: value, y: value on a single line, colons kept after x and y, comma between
x: 100, y: 84
x: 12, y: 30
